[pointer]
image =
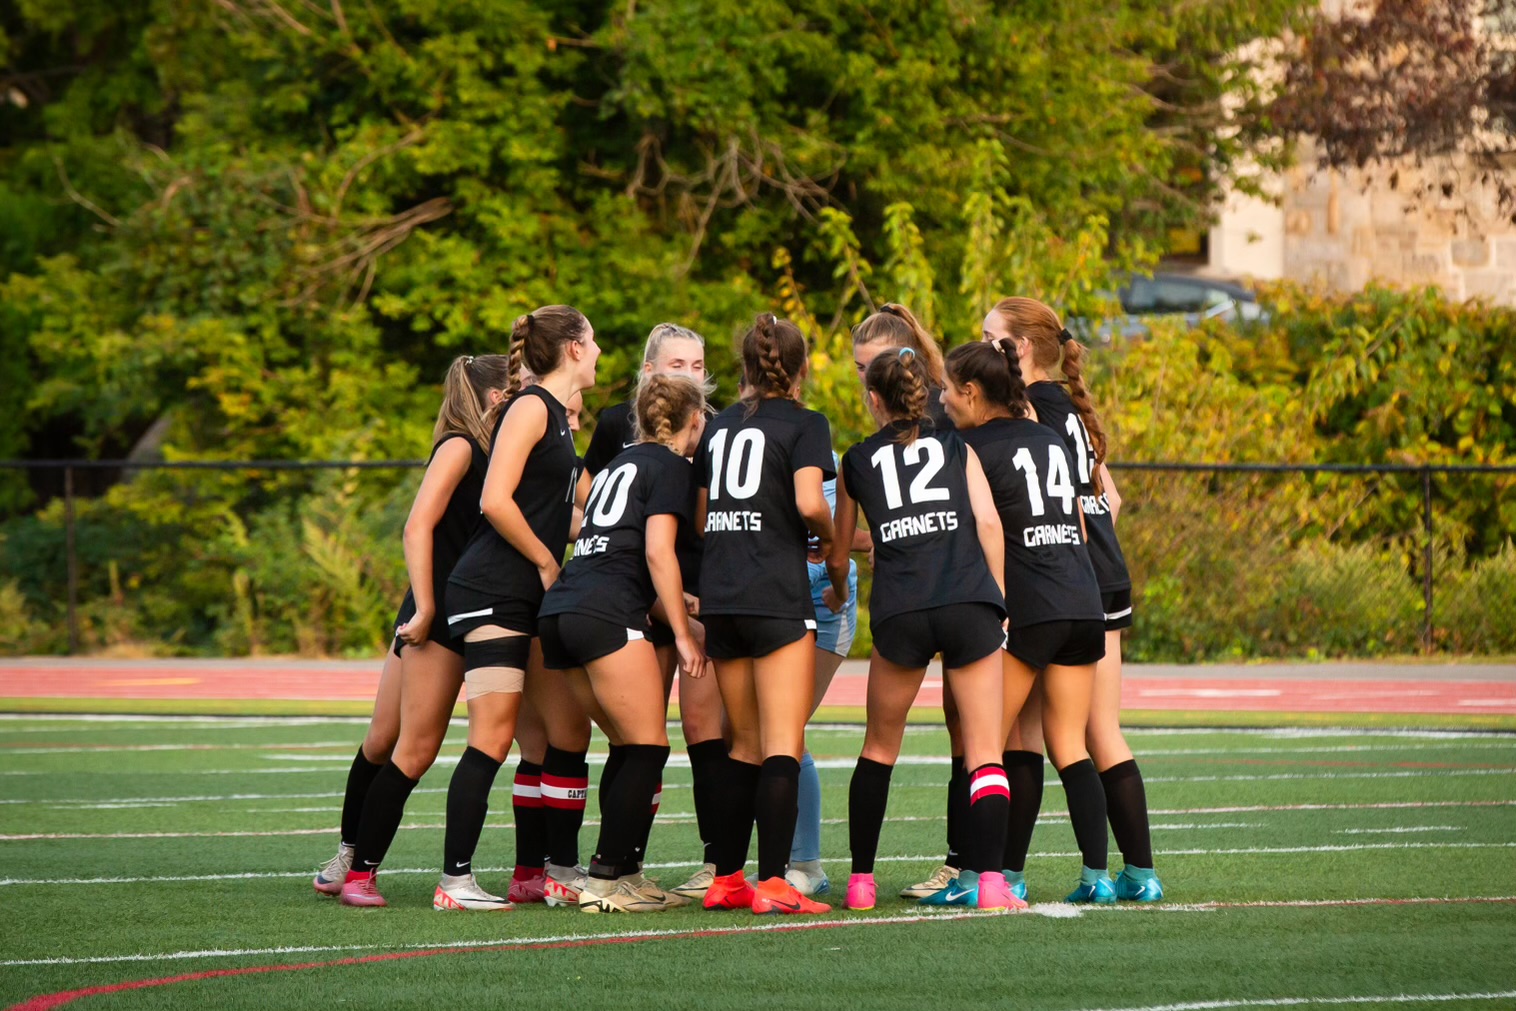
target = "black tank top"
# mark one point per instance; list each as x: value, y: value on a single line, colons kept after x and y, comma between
x: 452, y: 532
x: 545, y: 496
x: 1048, y: 576
x: 916, y: 498
x: 754, y: 558
x: 1056, y: 411
x: 608, y: 576
x: 613, y: 433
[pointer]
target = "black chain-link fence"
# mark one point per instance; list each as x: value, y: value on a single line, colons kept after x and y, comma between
x: 1227, y: 561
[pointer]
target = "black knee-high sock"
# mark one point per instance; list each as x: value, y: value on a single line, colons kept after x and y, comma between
x: 382, y: 810
x: 957, y: 811
x: 531, y: 819
x: 1023, y: 770
x: 615, y: 758
x: 738, y: 796
x: 468, y: 801
x: 984, y: 827
x: 624, y: 808
x: 706, y: 761
x: 1086, y: 797
x: 1126, y: 802
x: 777, y: 808
x: 359, y: 778
x: 867, y: 796
x: 647, y: 824
x: 565, y: 790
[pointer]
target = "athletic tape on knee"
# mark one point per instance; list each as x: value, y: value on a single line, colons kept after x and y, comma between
x: 988, y: 781
x: 509, y: 652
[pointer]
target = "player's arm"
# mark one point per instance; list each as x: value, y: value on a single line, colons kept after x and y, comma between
x: 663, y: 566
x: 986, y: 519
x: 525, y: 422
x: 810, y: 500
x: 845, y: 526
x: 449, y: 465
x: 1108, y: 485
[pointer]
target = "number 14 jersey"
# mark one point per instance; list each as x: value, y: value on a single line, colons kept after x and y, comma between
x: 916, y: 498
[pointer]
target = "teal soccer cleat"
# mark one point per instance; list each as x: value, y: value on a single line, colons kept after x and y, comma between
x: 1017, y: 881
x: 1137, y: 884
x: 1094, y: 887
x: 961, y: 891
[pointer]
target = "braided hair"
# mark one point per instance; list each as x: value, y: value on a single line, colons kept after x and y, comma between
x: 773, y: 358
x: 898, y: 326
x: 899, y: 380
x: 663, y: 405
x: 537, y: 343
x: 992, y: 365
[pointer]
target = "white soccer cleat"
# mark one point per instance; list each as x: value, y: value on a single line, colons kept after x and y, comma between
x: 697, y: 886
x: 461, y: 891
x: 329, y: 879
x: 808, y: 878
x: 563, y: 885
x: 939, y: 880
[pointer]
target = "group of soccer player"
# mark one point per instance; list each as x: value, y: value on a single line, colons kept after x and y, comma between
x: 719, y: 548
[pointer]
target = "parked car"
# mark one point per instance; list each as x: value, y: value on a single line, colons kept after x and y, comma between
x: 1194, y: 298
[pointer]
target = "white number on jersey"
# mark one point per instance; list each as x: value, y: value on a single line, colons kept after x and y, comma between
x: 1058, y: 485
x: 608, y: 495
x: 743, y: 470
x: 921, y: 488
x: 1084, y: 449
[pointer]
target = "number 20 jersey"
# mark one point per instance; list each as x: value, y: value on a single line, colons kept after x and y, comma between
x: 926, y: 545
x: 608, y: 576
x: 754, y: 559
x: 1048, y: 576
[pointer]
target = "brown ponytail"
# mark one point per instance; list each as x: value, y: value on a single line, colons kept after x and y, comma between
x: 537, y: 343
x: 466, y: 406
x: 1052, y: 345
x: 773, y: 357
x: 992, y: 365
x: 900, y: 382
x: 664, y: 405
x: 898, y: 326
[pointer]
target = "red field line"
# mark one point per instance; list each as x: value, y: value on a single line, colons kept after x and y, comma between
x: 343, y: 682
x: 46, y: 1002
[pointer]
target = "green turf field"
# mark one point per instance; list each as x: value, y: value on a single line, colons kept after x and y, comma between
x: 134, y: 848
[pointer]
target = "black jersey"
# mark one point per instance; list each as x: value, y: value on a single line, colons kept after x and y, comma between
x: 614, y: 432
x: 1048, y: 575
x: 545, y: 496
x: 451, y: 534
x: 916, y: 498
x: 1056, y: 411
x: 754, y: 557
x: 608, y: 576
x: 936, y: 412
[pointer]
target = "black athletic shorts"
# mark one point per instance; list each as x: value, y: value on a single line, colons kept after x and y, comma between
x: 1118, y: 609
x: 573, y: 640
x: 438, y: 633
x: 1066, y: 643
x: 735, y: 636
x: 467, y: 609
x: 659, y: 634
x: 962, y: 633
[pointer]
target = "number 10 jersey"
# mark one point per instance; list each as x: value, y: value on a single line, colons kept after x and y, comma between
x: 754, y: 559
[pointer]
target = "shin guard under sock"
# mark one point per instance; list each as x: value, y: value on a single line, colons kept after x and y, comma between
x: 468, y: 801
x: 565, y: 791
x: 383, y: 809
x: 867, y: 796
x: 531, y: 819
x: 1024, y: 772
x: 1086, y: 798
x: 360, y: 776
x: 776, y: 810
x: 1126, y: 802
x: 984, y: 828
